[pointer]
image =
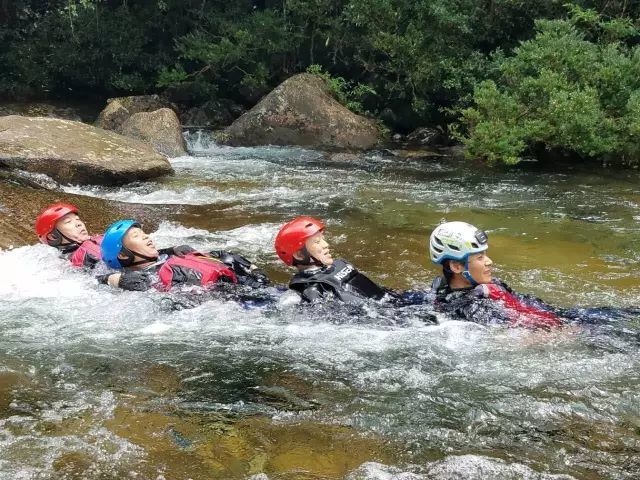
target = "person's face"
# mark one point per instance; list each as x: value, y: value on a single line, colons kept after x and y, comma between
x: 139, y: 242
x: 73, y: 228
x: 479, y: 267
x: 318, y: 248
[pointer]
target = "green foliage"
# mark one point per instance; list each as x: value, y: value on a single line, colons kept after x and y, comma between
x: 574, y: 87
x: 517, y: 73
x: 347, y: 93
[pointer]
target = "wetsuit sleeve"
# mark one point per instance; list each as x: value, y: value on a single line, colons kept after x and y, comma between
x: 246, y: 271
x: 180, y: 250
x: 135, y: 281
x: 312, y: 294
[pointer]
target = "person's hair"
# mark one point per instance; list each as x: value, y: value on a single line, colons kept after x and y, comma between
x: 446, y: 271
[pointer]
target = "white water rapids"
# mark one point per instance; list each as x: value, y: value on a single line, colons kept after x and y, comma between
x: 458, y: 400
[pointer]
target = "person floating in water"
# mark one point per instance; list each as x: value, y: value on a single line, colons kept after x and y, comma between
x: 60, y: 226
x: 128, y: 248
x: 301, y: 244
x: 467, y: 291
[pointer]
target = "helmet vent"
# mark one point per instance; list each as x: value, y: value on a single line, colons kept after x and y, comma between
x: 437, y: 240
x: 453, y: 247
x: 474, y: 245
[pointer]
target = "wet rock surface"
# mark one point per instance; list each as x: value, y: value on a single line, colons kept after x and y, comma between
x: 74, y: 152
x: 161, y: 128
x: 301, y: 111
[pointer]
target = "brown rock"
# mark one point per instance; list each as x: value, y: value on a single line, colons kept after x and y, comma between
x: 302, y: 111
x: 160, y: 128
x: 119, y: 109
x: 74, y: 152
x: 113, y: 116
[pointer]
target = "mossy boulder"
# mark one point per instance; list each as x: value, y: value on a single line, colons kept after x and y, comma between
x: 76, y: 153
x: 301, y: 111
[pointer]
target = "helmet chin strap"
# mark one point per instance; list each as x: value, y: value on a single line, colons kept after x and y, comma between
x: 131, y: 255
x: 307, y: 259
x: 58, y: 236
x: 466, y: 274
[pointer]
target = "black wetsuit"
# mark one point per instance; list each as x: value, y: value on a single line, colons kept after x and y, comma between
x: 340, y: 280
x: 481, y: 304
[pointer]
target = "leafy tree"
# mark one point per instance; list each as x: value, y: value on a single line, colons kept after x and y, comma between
x: 574, y: 87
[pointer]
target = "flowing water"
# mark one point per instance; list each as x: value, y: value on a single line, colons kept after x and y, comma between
x: 98, y: 383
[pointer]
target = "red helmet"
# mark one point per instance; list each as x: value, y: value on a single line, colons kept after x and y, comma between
x: 46, y: 221
x: 293, y: 236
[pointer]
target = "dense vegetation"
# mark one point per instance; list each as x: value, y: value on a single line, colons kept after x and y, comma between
x: 512, y: 74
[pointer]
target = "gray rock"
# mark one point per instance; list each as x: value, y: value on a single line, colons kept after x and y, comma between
x: 160, y: 128
x: 74, y: 152
x: 302, y: 111
x: 426, y: 137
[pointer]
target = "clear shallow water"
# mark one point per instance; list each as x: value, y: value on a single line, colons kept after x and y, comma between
x: 96, y: 383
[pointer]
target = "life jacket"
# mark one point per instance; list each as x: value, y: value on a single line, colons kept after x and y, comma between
x: 343, y: 279
x: 88, y: 253
x: 521, y: 314
x: 194, y: 269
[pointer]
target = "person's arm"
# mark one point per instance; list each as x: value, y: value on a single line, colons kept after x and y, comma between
x: 312, y: 294
x: 133, y: 281
x: 179, y: 250
x: 246, y: 271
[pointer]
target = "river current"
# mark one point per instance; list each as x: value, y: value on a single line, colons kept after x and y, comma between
x: 104, y: 384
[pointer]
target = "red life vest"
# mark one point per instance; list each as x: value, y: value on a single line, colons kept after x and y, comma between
x: 198, y: 267
x: 88, y: 253
x: 521, y: 314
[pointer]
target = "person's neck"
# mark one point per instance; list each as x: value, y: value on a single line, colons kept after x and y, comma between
x: 458, y: 282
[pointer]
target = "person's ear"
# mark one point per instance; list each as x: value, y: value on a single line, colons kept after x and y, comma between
x: 456, y: 267
x: 122, y: 256
x: 298, y: 255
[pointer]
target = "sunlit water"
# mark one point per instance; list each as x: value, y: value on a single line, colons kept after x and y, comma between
x: 97, y: 383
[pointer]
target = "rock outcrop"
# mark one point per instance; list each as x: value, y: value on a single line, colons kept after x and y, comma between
x: 74, y: 152
x: 119, y: 109
x: 302, y: 111
x: 161, y: 128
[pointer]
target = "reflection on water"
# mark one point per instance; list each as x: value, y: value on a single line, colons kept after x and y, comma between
x: 96, y: 383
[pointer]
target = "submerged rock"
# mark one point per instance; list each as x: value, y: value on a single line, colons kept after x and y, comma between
x: 74, y: 152
x: 161, y: 128
x: 302, y: 111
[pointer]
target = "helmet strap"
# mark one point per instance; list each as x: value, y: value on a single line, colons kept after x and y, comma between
x: 131, y: 256
x: 58, y: 236
x: 466, y: 274
x: 307, y: 259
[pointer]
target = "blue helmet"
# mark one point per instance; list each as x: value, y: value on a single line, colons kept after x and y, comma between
x: 112, y: 246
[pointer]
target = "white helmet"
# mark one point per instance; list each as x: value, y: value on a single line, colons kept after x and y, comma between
x: 456, y: 241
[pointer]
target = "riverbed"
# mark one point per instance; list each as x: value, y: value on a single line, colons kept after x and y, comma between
x: 97, y: 383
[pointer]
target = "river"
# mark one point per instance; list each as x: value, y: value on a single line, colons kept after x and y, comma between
x: 97, y: 383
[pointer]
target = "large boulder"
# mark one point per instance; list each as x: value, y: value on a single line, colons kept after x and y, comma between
x: 119, y: 109
x: 160, y: 128
x: 74, y: 152
x: 39, y: 109
x: 302, y: 111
